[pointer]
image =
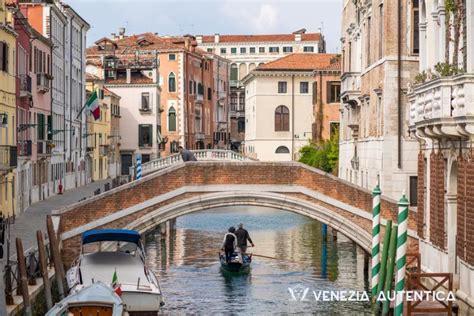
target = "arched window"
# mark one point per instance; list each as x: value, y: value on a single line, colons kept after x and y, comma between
x: 282, y: 119
x: 172, y: 119
x: 172, y: 83
x: 174, y: 146
x: 282, y: 150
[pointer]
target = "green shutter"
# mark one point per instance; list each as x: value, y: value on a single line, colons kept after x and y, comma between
x: 40, y: 126
x: 50, y: 127
x: 140, y: 136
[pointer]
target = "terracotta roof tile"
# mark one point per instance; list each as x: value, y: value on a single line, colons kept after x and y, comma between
x: 303, y: 61
x: 110, y: 93
x: 261, y: 38
x: 91, y: 77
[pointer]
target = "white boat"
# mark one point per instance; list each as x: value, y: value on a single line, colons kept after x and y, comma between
x: 95, y: 299
x: 118, y: 252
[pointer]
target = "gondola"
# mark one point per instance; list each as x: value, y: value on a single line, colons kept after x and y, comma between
x: 235, y: 265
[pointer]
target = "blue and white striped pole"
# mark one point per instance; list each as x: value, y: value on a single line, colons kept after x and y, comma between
x: 139, y: 167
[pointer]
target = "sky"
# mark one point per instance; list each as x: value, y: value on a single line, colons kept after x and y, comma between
x: 207, y: 17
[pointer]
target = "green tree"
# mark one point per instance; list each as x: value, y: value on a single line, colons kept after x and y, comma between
x: 323, y: 155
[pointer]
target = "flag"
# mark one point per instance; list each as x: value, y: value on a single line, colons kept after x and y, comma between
x: 115, y: 285
x: 93, y: 105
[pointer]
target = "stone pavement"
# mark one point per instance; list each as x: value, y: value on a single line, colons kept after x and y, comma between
x: 34, y: 218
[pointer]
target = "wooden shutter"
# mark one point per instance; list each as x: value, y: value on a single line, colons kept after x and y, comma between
x: 286, y: 119
x: 1, y: 54
x: 277, y: 119
x: 140, y: 136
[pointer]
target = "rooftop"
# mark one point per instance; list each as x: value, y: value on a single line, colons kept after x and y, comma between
x: 303, y: 61
x: 305, y: 37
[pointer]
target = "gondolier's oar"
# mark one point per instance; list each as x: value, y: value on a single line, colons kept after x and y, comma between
x: 273, y: 258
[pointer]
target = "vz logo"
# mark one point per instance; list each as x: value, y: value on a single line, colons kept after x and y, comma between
x: 298, y: 293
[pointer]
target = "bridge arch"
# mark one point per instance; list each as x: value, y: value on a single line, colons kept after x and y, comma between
x: 268, y: 199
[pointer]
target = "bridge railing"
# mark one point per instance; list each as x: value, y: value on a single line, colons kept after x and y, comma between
x: 201, y: 155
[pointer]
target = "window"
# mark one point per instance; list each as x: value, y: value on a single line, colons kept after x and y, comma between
x: 234, y: 72
x: 282, y: 150
x: 416, y: 28
x: 304, y: 87
x: 172, y: 120
x: 369, y: 35
x: 190, y: 87
x: 243, y: 50
x: 172, y: 57
x: 282, y: 87
x: 223, y: 51
x: 209, y: 50
x: 308, y: 49
x: 282, y: 119
x: 413, y: 191
x: 261, y: 49
x: 171, y: 83
x: 174, y: 146
x: 334, y: 91
x: 233, y: 50
x: 200, y: 89
x: 252, y: 50
x: 241, y: 125
x: 209, y: 93
x: 145, y: 135
x: 41, y: 126
x: 287, y: 49
x: 3, y: 56
x: 274, y: 49
x: 145, y: 101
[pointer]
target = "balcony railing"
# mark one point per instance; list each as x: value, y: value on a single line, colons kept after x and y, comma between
x: 43, y: 82
x: 350, y: 82
x: 8, y: 157
x: 234, y: 83
x: 24, y: 148
x: 444, y: 100
x: 25, y: 85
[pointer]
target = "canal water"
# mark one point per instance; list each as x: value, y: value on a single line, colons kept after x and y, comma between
x: 184, y: 255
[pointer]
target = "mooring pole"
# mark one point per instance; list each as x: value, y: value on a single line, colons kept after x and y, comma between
x: 44, y: 269
x: 390, y: 267
x: 58, y: 266
x: 23, y: 277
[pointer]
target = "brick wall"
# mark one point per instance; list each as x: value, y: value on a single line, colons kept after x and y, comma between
x: 208, y: 173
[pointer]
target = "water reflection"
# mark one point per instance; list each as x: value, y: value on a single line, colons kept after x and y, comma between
x: 184, y: 255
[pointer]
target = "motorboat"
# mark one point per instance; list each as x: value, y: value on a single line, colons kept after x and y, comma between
x: 116, y: 257
x: 96, y: 299
x: 238, y: 263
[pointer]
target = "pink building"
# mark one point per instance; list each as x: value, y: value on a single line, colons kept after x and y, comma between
x: 40, y: 73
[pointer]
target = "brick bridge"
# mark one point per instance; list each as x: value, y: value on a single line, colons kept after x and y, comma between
x: 195, y: 186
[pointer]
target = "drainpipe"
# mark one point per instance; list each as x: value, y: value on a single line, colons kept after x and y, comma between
x: 70, y: 89
x: 399, y: 83
x: 292, y: 117
x: 83, y: 87
x: 319, y: 103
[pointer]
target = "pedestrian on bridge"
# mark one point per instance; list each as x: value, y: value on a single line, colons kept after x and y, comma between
x: 186, y: 154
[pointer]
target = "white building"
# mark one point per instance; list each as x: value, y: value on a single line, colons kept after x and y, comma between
x: 280, y: 107
x: 247, y: 52
x: 75, y: 97
x: 441, y: 116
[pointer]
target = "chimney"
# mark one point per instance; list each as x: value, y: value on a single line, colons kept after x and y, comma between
x: 298, y: 37
x: 216, y: 38
x: 199, y: 39
x: 114, y: 36
x: 186, y: 43
x: 121, y: 32
x: 193, y: 46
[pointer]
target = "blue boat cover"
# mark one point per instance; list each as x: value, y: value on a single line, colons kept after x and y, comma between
x: 110, y: 235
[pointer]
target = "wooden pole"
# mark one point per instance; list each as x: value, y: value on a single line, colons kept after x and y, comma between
x: 23, y: 277
x: 44, y: 269
x: 58, y: 266
x: 389, y: 273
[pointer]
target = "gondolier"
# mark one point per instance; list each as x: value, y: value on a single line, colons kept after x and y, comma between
x: 242, y: 237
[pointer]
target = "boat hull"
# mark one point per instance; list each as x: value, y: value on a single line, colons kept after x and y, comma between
x: 235, y: 266
x: 141, y: 301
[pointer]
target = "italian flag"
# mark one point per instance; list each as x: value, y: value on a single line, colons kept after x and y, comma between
x: 115, y: 285
x: 93, y: 105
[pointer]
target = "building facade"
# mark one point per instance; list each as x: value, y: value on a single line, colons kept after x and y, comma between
x: 286, y: 106
x: 375, y: 145
x: 441, y: 118
x: 74, y: 86
x: 112, y: 102
x: 247, y: 52
x: 8, y: 144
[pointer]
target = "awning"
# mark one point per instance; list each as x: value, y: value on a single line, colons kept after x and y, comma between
x: 110, y: 235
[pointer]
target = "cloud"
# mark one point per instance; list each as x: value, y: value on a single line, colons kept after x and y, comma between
x: 255, y: 18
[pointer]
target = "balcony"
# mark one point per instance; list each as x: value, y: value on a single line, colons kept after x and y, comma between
x: 199, y: 136
x: 443, y: 107
x: 43, y: 149
x: 43, y: 82
x: 199, y: 97
x: 25, y: 85
x: 350, y: 86
x: 104, y: 150
x: 24, y: 148
x: 235, y: 83
x: 8, y: 157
